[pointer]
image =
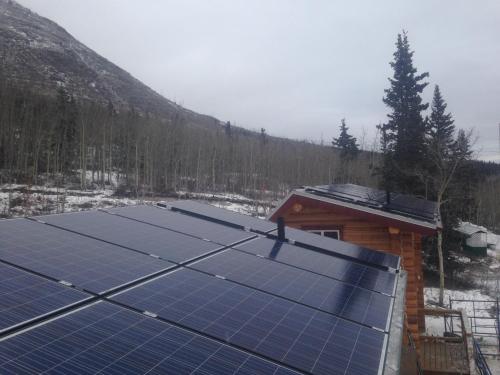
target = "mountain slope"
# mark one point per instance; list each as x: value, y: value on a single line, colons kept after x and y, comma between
x: 37, y: 53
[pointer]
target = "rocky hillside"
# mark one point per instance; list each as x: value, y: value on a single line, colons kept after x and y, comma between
x: 37, y: 53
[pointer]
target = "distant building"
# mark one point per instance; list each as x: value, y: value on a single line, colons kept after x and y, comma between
x: 475, y: 238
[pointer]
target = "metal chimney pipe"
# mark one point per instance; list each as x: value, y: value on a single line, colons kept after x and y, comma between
x: 281, y: 229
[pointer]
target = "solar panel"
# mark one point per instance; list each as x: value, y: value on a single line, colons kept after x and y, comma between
x: 341, y: 248
x: 90, y: 264
x: 413, y: 206
x: 290, y: 333
x: 145, y: 238
x: 217, y: 233
x: 320, y: 292
x: 223, y: 216
x: 327, y: 265
x: 24, y: 297
x: 108, y: 339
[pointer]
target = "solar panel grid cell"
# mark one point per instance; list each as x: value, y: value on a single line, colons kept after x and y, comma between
x: 90, y: 264
x: 332, y: 296
x: 145, y: 238
x: 24, y: 297
x: 340, y: 269
x: 299, y: 336
x: 217, y: 233
x: 109, y: 339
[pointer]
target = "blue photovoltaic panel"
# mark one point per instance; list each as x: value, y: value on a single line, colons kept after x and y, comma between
x: 104, y: 338
x: 377, y: 258
x: 329, y: 295
x: 406, y: 205
x: 328, y: 265
x: 221, y: 215
x: 290, y: 333
x: 87, y: 263
x: 146, y: 238
x: 24, y: 297
x: 193, y: 226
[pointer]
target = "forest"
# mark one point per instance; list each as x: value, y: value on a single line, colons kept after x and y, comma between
x: 58, y: 139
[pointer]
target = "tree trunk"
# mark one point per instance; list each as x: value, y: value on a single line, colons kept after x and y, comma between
x: 440, y: 254
x: 441, y: 267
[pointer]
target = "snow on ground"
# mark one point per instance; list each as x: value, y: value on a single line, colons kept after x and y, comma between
x: 22, y: 200
x: 245, y: 209
x: 214, y: 196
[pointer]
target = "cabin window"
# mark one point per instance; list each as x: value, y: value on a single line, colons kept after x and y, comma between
x: 331, y: 233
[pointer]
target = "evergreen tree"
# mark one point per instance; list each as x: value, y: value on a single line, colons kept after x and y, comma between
x: 405, y: 131
x: 346, y: 143
x: 441, y: 126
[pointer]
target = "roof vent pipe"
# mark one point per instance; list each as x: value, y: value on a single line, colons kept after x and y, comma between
x: 387, y: 197
x: 281, y: 229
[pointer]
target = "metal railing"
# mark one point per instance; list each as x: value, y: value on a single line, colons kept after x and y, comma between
x: 413, y: 348
x: 484, y: 321
x: 481, y: 364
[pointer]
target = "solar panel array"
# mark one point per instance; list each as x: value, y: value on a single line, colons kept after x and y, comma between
x: 81, y: 293
x: 399, y: 203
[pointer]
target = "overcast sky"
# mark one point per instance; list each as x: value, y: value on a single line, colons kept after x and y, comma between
x: 296, y: 67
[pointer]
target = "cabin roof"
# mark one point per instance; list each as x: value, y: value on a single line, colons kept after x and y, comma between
x: 401, y: 207
x: 469, y: 229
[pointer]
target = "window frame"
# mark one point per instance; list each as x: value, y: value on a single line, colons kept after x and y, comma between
x: 321, y: 232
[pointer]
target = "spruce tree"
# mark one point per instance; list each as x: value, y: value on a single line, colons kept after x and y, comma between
x: 346, y: 143
x: 405, y: 131
x: 441, y: 127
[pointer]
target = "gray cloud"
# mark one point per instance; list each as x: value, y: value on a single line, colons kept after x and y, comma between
x: 296, y: 67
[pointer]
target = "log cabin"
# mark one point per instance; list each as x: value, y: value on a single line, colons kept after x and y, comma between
x: 388, y: 222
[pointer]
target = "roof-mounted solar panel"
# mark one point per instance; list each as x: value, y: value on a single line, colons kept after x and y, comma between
x: 351, y: 272
x: 220, y: 215
x: 25, y: 297
x: 290, y: 333
x: 362, y: 306
x: 343, y: 249
x: 402, y: 204
x: 154, y: 215
x: 141, y: 237
x: 87, y: 263
x: 105, y: 338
